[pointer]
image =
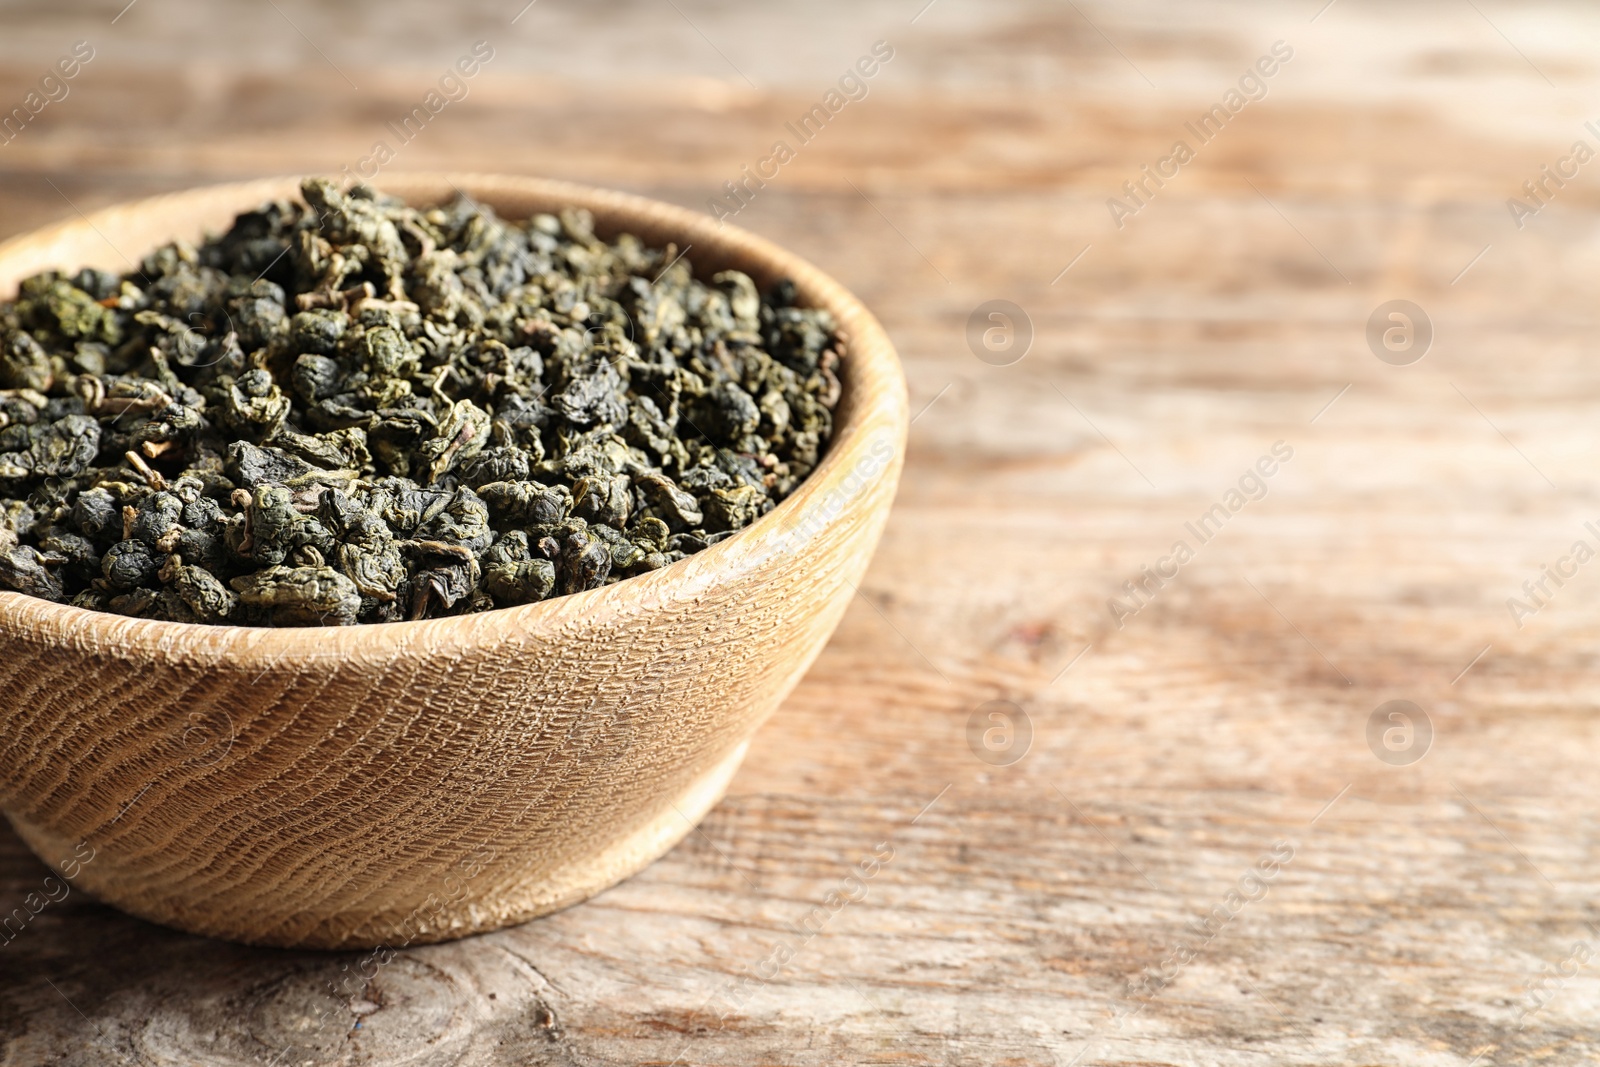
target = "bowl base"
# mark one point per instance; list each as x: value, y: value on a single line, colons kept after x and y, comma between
x: 447, y: 922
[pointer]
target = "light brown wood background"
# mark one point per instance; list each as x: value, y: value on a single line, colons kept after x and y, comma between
x: 1419, y: 908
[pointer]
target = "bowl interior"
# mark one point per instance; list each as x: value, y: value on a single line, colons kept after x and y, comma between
x: 869, y: 424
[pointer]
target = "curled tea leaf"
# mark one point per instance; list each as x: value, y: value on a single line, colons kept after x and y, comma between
x: 350, y: 410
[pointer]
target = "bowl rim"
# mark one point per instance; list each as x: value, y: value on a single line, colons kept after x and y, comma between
x: 873, y: 404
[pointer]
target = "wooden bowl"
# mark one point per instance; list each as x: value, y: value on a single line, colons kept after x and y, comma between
x: 404, y: 783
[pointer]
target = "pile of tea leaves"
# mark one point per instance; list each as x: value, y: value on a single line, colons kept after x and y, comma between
x: 347, y: 410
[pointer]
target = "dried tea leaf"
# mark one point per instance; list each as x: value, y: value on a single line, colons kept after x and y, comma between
x: 350, y: 410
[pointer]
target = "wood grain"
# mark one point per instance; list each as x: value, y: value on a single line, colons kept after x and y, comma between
x: 1012, y: 919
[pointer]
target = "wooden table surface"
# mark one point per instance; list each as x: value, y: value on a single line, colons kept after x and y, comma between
x: 1198, y: 857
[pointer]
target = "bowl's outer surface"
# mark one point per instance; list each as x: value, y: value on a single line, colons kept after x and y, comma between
x: 413, y: 782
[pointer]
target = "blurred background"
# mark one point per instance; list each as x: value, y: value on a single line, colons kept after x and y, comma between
x: 1158, y: 338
